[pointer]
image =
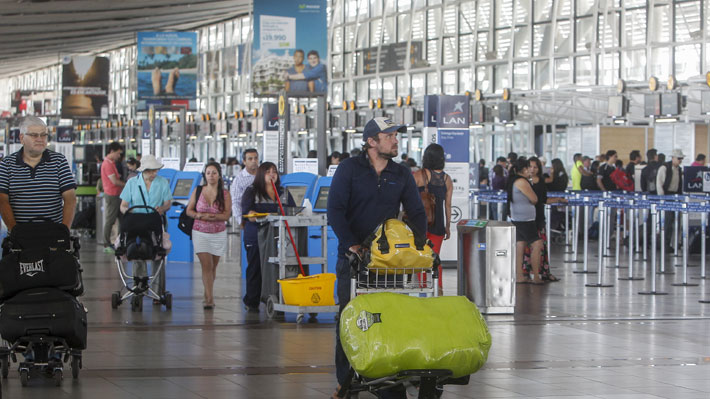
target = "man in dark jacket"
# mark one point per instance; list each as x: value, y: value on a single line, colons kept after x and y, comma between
x: 648, y: 174
x: 365, y: 191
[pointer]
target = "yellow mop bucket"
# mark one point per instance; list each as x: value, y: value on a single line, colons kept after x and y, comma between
x: 315, y: 290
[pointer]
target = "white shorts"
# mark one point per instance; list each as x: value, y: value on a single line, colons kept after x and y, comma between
x: 212, y: 243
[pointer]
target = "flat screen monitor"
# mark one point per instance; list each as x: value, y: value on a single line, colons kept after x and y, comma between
x: 705, y: 102
x: 322, y: 199
x: 182, y: 188
x: 478, y: 113
x: 670, y: 104
x: 79, y: 154
x: 652, y: 105
x: 298, y: 193
x: 616, y: 106
x: 506, y: 112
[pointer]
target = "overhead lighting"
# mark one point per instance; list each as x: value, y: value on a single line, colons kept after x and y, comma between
x: 666, y: 120
x: 193, y: 137
x: 350, y: 131
x: 620, y: 121
x: 209, y: 136
x: 257, y: 135
x: 223, y: 136
x: 303, y: 132
x: 585, y: 89
x: 132, y: 140
x: 410, y: 128
x: 476, y: 126
x: 509, y: 124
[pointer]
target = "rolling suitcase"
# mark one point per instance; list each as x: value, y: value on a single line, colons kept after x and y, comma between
x: 44, y: 311
x: 38, y: 268
x: 386, y: 333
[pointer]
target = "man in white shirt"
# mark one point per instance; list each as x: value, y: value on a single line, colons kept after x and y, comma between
x: 244, y: 179
x: 669, y: 180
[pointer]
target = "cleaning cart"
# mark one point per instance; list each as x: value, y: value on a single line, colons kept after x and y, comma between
x: 302, y: 294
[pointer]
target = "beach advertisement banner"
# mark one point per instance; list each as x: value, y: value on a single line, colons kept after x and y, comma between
x: 85, y: 81
x: 167, y: 69
x: 290, y: 47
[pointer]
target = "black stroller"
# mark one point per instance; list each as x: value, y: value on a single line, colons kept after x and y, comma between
x: 140, y: 242
x: 40, y: 316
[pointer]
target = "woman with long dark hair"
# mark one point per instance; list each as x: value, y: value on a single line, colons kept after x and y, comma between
x: 522, y: 200
x: 260, y: 197
x: 209, y: 233
x: 558, y: 179
x: 540, y: 190
x: 432, y: 178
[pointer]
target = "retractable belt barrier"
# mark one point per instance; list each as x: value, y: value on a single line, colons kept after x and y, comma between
x: 638, y: 209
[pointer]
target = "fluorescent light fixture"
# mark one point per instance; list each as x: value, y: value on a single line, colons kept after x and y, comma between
x: 303, y: 132
x: 509, y: 124
x: 350, y: 131
x: 209, y: 136
x: 619, y: 121
x: 585, y: 89
x: 91, y: 142
x: 223, y: 136
x: 257, y: 135
x: 476, y: 126
x: 193, y: 137
x: 666, y: 120
x: 132, y: 140
x: 410, y: 128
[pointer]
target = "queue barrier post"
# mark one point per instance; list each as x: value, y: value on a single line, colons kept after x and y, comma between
x: 632, y: 214
x: 585, y: 262
x: 654, y: 221
x: 684, y: 215
x: 600, y: 267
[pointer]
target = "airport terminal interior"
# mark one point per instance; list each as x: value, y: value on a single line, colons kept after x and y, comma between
x: 594, y: 92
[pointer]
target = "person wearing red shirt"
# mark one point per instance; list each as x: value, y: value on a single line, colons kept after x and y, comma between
x: 113, y: 185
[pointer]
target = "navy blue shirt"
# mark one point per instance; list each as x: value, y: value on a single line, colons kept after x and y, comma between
x: 359, y: 200
x: 253, y: 202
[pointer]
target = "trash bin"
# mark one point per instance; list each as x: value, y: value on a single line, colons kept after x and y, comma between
x: 486, y: 264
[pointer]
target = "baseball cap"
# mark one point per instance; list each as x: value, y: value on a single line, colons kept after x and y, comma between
x: 381, y: 124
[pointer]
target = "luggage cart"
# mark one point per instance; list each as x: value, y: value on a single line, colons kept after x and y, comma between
x: 403, y: 280
x: 276, y: 304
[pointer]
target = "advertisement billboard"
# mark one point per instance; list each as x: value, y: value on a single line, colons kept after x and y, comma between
x: 167, y: 69
x: 290, y: 47
x: 85, y: 81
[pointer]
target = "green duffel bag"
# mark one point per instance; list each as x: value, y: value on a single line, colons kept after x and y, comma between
x: 385, y: 333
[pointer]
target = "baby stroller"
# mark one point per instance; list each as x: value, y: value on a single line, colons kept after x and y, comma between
x: 40, y: 316
x: 141, y: 241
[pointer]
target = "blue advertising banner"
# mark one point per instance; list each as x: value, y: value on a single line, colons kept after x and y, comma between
x: 431, y: 104
x: 290, y: 43
x: 693, y: 179
x: 65, y: 134
x: 453, y: 112
x: 167, y: 69
x: 455, y: 143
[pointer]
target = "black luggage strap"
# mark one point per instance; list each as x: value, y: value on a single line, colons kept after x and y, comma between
x: 382, y: 244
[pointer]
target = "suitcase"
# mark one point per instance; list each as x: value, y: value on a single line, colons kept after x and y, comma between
x: 38, y: 268
x: 38, y: 235
x: 45, y: 311
x: 385, y: 333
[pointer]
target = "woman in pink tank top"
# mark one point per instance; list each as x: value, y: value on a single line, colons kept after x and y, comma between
x: 209, y: 232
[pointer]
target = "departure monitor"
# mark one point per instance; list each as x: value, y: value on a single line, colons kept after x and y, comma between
x: 298, y: 193
x: 670, y: 104
x: 182, y: 188
x: 322, y: 199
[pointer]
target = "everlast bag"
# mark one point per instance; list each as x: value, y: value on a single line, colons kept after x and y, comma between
x: 37, y: 268
x: 394, y: 244
x: 386, y: 333
x: 46, y: 311
x: 185, y: 222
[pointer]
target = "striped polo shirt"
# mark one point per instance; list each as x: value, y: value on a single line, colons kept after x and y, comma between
x: 36, y: 193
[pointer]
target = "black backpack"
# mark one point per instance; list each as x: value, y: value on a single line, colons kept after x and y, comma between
x: 185, y: 222
x: 648, y: 177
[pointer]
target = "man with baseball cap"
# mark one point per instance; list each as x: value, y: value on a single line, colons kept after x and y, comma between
x: 365, y: 191
x: 669, y: 181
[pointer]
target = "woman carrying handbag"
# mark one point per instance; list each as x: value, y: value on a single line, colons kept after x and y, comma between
x: 436, y: 190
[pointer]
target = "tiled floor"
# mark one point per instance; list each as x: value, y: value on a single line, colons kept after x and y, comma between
x: 565, y: 341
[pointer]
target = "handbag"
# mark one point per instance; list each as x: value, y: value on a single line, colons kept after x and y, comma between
x: 429, y: 201
x: 185, y: 222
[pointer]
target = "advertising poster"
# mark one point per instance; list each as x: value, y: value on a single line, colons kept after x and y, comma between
x: 85, y: 81
x: 167, y: 69
x: 290, y: 47
x: 694, y: 179
x: 455, y: 143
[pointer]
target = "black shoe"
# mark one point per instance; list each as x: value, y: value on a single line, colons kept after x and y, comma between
x: 251, y: 309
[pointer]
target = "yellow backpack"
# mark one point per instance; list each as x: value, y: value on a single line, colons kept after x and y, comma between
x: 394, y: 245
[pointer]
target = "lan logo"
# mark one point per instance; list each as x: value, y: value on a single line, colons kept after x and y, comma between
x: 315, y: 298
